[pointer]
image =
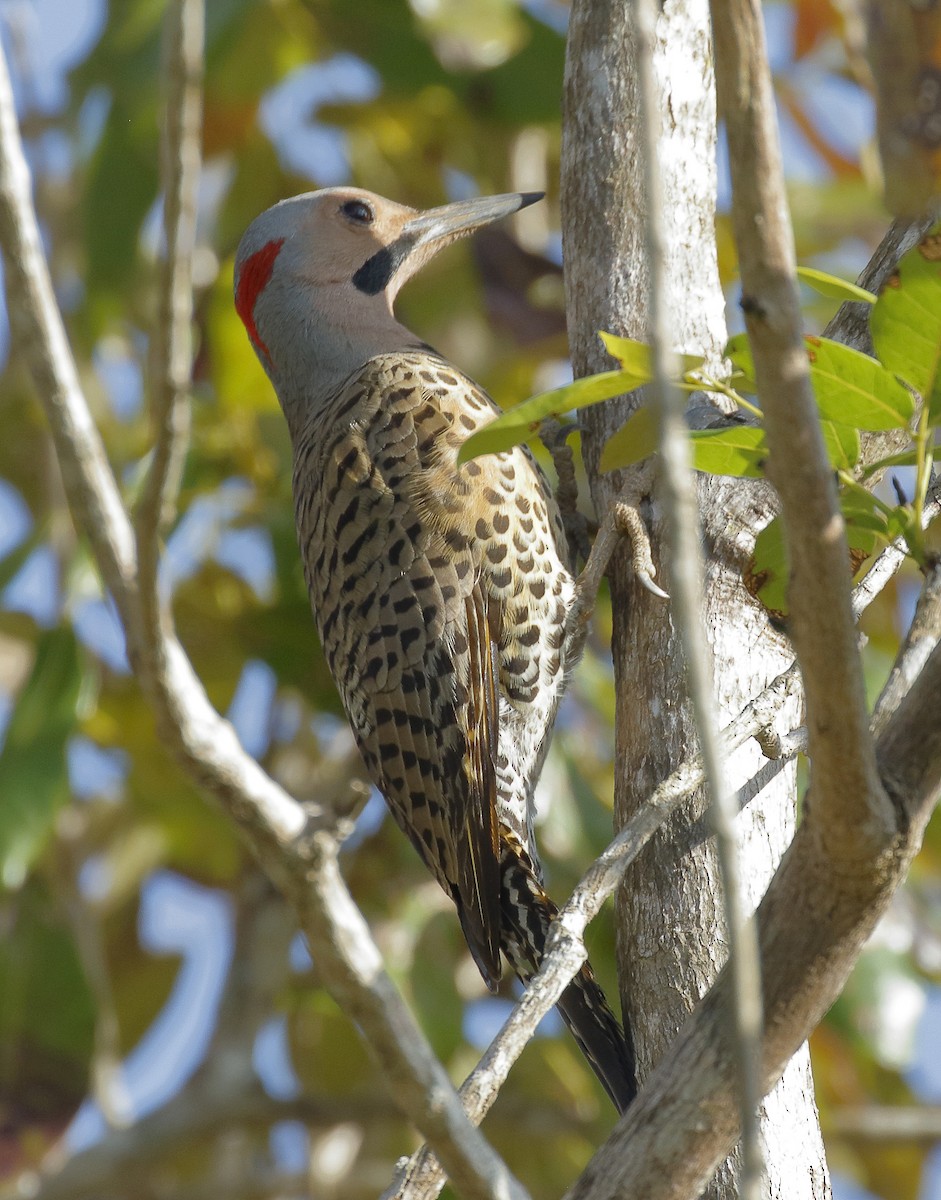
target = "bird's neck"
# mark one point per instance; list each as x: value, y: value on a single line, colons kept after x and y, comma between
x: 324, y: 356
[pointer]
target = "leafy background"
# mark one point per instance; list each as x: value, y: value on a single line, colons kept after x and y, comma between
x: 140, y: 947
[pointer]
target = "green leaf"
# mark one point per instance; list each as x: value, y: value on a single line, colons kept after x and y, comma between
x: 859, y: 537
x: 854, y: 389
x: 635, y: 356
x: 770, y: 568
x: 47, y: 1011
x: 33, y: 775
x: 738, y: 350
x: 830, y: 285
x: 11, y: 563
x: 905, y: 458
x: 740, y: 450
x: 863, y: 510
x: 906, y: 323
x: 842, y: 442
x: 520, y: 423
x: 636, y: 438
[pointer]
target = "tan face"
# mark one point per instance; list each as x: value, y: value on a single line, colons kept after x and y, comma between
x: 336, y: 258
x: 339, y: 230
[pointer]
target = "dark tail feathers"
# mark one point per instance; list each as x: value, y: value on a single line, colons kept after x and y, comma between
x: 527, y: 914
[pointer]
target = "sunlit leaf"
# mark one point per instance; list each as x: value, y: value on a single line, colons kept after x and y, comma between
x: 831, y: 285
x: 738, y: 351
x: 521, y: 423
x: 854, y: 389
x: 636, y: 438
x: 905, y: 458
x: 862, y: 508
x: 739, y: 450
x: 635, y: 356
x: 769, y: 569
x: 866, y: 514
x: 842, y: 442
x: 906, y: 322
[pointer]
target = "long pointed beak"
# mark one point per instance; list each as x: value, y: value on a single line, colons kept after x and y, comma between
x: 424, y: 234
x: 452, y: 221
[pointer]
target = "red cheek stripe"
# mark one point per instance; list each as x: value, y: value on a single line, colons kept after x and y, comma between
x: 256, y: 271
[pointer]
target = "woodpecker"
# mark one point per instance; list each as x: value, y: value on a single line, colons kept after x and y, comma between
x: 440, y: 592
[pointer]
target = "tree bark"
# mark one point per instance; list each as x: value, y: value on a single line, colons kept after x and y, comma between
x: 671, y: 936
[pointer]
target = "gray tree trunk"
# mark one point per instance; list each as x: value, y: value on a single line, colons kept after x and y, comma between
x: 670, y: 919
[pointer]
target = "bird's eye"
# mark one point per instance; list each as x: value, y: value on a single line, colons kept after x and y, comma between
x: 358, y: 211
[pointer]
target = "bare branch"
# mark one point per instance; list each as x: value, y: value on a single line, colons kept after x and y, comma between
x: 686, y: 1113
x: 125, y: 1157
x: 887, y: 1123
x: 922, y: 637
x: 171, y: 344
x: 845, y: 777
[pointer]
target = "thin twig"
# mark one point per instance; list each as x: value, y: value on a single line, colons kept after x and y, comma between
x: 172, y: 342
x: 887, y: 1123
x: 923, y: 635
x: 678, y: 490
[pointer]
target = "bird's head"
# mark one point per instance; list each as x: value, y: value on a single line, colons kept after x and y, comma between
x: 316, y: 276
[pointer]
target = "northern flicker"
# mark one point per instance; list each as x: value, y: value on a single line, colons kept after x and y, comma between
x: 440, y: 592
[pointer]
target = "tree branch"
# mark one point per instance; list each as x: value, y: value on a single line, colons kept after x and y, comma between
x: 171, y: 343
x: 888, y: 1123
x: 923, y: 635
x: 821, y: 624
x: 124, y: 1158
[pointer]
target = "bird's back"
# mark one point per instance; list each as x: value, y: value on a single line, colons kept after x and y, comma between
x: 415, y: 566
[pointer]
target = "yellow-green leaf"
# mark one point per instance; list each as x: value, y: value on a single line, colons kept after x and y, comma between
x: 906, y: 322
x: 636, y: 438
x: 635, y: 356
x: 738, y: 350
x: 33, y: 776
x: 769, y: 568
x: 831, y: 285
x: 854, y: 389
x: 521, y: 423
x: 738, y: 450
x: 842, y: 442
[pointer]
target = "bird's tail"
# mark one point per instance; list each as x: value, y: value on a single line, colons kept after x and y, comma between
x: 527, y: 915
